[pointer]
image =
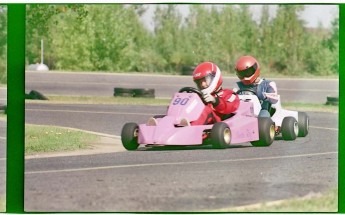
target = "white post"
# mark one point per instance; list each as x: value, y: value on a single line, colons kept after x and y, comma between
x: 41, y: 51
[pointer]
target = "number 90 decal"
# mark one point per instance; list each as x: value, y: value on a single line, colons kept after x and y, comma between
x: 179, y: 101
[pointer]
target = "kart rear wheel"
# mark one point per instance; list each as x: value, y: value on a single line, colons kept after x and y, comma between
x: 129, y: 136
x: 266, y: 132
x: 289, y: 128
x: 220, y: 135
x: 303, y: 124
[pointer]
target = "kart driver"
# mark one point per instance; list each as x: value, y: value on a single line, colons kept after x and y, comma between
x: 221, y: 103
x: 248, y: 71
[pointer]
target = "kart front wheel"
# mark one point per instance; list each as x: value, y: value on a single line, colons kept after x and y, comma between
x: 129, y: 136
x: 303, y: 124
x: 220, y: 135
x: 289, y: 128
x: 266, y: 132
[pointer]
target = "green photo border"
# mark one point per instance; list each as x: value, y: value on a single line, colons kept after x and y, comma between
x: 341, y: 142
x: 15, y: 108
x: 16, y: 114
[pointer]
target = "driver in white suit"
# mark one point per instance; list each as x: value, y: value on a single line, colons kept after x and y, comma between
x: 248, y: 71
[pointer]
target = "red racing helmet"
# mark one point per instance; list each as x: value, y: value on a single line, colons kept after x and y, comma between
x: 247, y: 69
x: 207, y: 77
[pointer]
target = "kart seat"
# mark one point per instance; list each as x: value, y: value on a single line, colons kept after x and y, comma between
x: 227, y: 116
x: 272, y: 111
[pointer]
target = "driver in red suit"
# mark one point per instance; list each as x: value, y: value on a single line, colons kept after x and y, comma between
x: 221, y: 103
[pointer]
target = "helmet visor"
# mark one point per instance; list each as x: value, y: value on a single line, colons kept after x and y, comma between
x: 247, y: 72
x: 204, y: 82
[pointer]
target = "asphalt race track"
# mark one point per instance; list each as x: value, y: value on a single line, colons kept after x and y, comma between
x: 3, y: 149
x: 165, y: 179
x: 2, y: 157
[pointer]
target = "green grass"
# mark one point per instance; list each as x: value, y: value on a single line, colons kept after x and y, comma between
x: 3, y: 116
x: 41, y: 139
x: 327, y: 202
x: 2, y: 204
x: 311, y: 107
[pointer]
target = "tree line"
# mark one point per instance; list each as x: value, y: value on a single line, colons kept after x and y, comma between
x: 112, y: 37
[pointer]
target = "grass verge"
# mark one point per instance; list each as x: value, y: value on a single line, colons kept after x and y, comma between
x: 2, y: 204
x: 311, y: 107
x: 327, y: 202
x: 165, y: 101
x: 41, y: 139
x: 3, y: 116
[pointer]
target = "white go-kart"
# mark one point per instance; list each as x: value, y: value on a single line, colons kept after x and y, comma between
x: 290, y: 124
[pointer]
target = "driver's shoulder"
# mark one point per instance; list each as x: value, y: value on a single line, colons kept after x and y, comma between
x: 225, y: 93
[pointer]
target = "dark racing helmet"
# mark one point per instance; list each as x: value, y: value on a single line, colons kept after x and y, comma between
x: 247, y: 69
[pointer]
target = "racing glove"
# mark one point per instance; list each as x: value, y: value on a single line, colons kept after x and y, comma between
x: 208, y: 98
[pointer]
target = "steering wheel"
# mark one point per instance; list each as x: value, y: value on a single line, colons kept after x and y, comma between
x: 190, y: 90
x: 246, y: 91
x: 193, y: 90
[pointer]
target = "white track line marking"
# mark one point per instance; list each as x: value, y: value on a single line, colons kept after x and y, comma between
x: 334, y: 129
x: 176, y: 163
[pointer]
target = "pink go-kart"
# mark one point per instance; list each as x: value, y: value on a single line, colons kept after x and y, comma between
x: 174, y: 129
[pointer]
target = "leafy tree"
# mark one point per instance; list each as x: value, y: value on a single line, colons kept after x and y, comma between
x: 322, y: 54
x: 3, y: 44
x: 203, y: 35
x: 167, y: 25
x: 248, y: 30
x: 227, y: 37
x: 111, y: 37
x: 107, y: 39
x: 39, y: 15
x: 39, y: 24
x: 265, y: 39
x: 289, y: 36
x: 333, y: 45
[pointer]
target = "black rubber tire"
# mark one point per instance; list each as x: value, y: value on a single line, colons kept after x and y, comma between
x: 218, y: 135
x: 3, y: 108
x: 332, y: 100
x: 141, y: 91
x: 266, y: 132
x: 36, y: 95
x: 187, y: 70
x: 303, y: 124
x: 124, y: 92
x: 145, y: 93
x: 129, y: 136
x: 288, y: 128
